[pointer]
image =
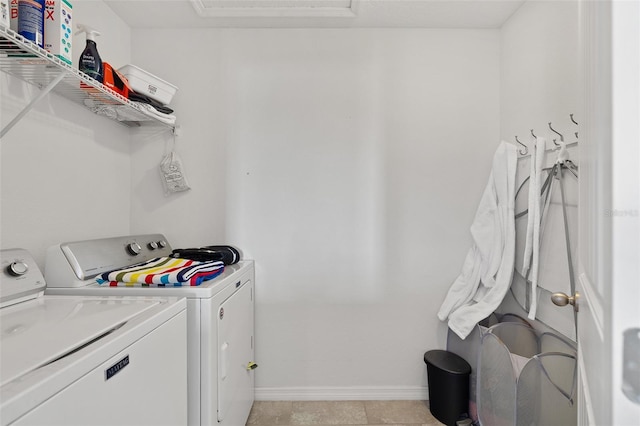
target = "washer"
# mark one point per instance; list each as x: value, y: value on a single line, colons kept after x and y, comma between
x: 71, y: 360
x: 220, y: 318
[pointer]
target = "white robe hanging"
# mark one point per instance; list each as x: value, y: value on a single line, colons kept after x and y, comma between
x: 531, y: 258
x: 488, y: 267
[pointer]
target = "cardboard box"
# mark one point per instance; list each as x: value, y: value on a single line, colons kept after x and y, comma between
x: 58, y: 29
x: 13, y: 18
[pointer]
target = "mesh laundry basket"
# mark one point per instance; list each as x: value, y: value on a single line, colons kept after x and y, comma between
x: 545, y: 388
x: 468, y: 349
x: 525, y: 377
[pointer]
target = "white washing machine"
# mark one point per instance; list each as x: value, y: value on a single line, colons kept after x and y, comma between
x: 71, y: 360
x: 220, y: 318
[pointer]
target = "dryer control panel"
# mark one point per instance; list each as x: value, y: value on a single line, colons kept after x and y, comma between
x: 20, y: 278
x: 70, y: 264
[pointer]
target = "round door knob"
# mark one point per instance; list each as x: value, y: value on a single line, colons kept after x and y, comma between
x: 17, y: 268
x: 134, y: 249
x: 561, y: 299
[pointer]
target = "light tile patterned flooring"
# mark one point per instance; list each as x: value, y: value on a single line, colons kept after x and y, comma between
x: 299, y: 413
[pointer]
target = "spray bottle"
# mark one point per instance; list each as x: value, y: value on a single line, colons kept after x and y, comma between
x: 90, y: 62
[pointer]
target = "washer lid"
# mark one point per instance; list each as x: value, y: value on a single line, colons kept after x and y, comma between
x: 38, y: 332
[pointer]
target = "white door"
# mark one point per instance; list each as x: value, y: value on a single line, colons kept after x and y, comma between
x: 609, y: 235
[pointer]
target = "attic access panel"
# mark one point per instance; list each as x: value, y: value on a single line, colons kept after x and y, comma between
x: 274, y: 8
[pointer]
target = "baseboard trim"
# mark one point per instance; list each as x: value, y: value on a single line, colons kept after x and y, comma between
x: 364, y: 393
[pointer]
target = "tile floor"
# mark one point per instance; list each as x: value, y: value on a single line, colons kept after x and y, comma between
x: 298, y: 413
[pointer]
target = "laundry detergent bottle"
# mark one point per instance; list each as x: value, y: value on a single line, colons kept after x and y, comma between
x: 31, y: 20
x: 90, y: 62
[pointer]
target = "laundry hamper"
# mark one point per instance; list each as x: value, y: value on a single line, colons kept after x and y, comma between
x: 525, y: 377
x: 468, y: 350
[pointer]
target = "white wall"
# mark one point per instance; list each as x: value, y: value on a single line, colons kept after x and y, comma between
x: 348, y: 164
x: 65, y: 173
x: 539, y: 78
x: 539, y: 70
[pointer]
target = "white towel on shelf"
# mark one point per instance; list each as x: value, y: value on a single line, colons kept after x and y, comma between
x: 488, y: 267
x: 531, y: 259
x: 152, y: 112
x: 126, y: 113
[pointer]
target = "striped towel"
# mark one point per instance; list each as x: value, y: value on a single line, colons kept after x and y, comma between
x: 162, y: 272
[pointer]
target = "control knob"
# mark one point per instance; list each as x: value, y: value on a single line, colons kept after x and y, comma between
x: 152, y: 245
x: 162, y: 243
x: 17, y: 268
x: 134, y: 249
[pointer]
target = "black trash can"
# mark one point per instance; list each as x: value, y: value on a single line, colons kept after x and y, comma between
x: 448, y: 378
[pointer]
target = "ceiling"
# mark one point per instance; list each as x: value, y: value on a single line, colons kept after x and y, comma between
x: 315, y: 13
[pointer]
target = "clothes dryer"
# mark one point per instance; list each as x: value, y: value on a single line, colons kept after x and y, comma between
x: 220, y: 318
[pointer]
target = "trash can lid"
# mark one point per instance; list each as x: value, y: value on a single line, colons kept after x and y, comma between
x: 447, y: 361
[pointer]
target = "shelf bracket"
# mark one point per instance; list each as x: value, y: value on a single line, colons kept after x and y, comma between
x: 44, y: 92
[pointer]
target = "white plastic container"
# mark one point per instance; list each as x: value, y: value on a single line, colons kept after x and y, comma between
x: 148, y: 84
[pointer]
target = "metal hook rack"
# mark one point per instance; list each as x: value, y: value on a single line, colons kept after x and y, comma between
x: 558, y: 146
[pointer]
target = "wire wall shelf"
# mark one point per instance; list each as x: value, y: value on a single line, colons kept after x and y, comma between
x: 28, y: 62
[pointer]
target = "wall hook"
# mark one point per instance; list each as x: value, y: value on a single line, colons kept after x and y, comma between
x: 574, y: 121
x: 557, y: 133
x: 533, y: 134
x: 526, y: 150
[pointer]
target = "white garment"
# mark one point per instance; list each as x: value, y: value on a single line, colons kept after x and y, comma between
x: 126, y: 113
x: 531, y: 202
x: 531, y: 259
x: 488, y: 267
x: 152, y: 112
